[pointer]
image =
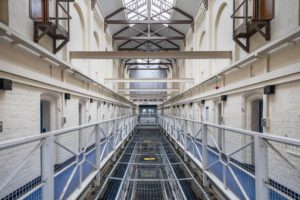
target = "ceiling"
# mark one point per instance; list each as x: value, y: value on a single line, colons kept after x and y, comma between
x: 189, y: 7
x: 155, y: 30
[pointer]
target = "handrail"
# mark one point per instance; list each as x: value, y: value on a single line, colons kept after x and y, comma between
x: 27, y: 139
x: 241, y: 169
x: 268, y: 136
x: 85, y: 158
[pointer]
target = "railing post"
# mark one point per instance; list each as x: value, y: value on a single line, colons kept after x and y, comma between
x: 98, y: 161
x: 176, y: 134
x: 124, y: 132
x: 185, y: 139
x: 261, y: 172
x: 115, y: 129
x: 48, y: 168
x: 204, y: 154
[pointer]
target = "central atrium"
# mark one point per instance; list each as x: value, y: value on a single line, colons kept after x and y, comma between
x: 149, y: 99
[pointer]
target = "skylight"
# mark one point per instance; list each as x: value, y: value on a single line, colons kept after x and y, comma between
x: 137, y: 9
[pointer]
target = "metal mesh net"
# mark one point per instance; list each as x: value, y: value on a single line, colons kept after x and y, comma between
x: 149, y: 169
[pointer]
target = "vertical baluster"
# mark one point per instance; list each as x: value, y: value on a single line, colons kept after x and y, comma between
x: 204, y: 154
x: 98, y: 161
x: 261, y: 165
x: 47, y: 168
x: 185, y: 130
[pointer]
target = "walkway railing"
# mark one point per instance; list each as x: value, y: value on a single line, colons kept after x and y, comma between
x: 60, y: 164
x: 243, y: 164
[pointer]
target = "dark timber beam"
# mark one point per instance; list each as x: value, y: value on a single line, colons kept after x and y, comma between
x: 120, y: 31
x: 114, y: 13
x: 183, y: 13
x: 177, y: 31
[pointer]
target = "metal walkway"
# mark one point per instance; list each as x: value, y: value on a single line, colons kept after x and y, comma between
x: 149, y: 168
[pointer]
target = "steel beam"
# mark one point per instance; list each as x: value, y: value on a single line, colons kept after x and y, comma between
x: 149, y: 69
x: 156, y: 43
x: 121, y: 30
x: 149, y: 80
x: 189, y: 21
x: 150, y: 55
x: 183, y: 13
x: 147, y: 90
x: 136, y: 63
x: 176, y: 30
x: 114, y: 13
x: 158, y: 49
x: 149, y: 98
x: 148, y: 95
x: 148, y: 38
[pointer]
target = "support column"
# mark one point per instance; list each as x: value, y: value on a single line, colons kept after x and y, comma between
x: 98, y: 161
x: 261, y: 165
x: 114, y: 124
x: 185, y: 139
x: 48, y: 168
x: 204, y: 154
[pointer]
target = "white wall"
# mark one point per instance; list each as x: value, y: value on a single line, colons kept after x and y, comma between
x: 213, y: 31
x: 34, y: 78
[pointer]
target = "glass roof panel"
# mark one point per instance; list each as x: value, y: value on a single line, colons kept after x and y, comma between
x: 137, y: 9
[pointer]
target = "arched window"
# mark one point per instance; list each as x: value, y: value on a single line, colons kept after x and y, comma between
x: 78, y: 33
x: 253, y: 121
x: 219, y: 112
x: 78, y: 36
x: 95, y: 68
x: 82, y: 112
x: 254, y: 112
x: 203, y: 69
x: 222, y: 36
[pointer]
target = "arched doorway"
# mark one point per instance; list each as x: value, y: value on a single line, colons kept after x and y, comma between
x: 48, y: 113
x: 219, y: 120
x: 253, y: 121
x: 257, y: 115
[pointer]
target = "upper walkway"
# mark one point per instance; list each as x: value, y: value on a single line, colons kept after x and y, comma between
x: 149, y: 167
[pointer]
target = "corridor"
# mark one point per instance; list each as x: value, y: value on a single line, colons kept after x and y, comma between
x: 149, y: 99
x: 150, y: 169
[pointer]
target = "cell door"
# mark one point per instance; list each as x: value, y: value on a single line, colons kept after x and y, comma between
x: 257, y: 115
x: 45, y: 116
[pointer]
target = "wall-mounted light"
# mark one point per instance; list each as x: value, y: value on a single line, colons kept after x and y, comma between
x: 91, y: 100
x: 224, y: 98
x: 5, y: 84
x: 67, y: 96
x: 203, y: 101
x: 269, y: 89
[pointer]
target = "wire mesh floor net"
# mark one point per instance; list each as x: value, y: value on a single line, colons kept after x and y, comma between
x: 149, y: 169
